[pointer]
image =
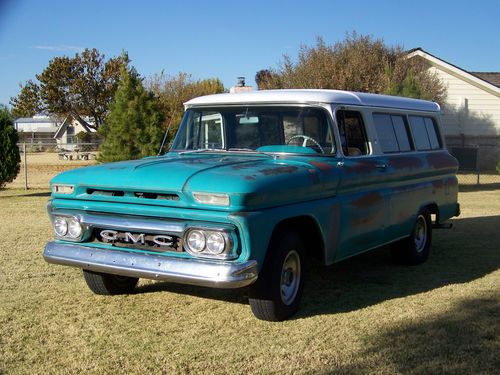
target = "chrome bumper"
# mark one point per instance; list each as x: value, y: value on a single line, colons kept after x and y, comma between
x: 178, y: 270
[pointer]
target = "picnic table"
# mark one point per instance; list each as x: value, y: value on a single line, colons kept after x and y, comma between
x: 76, y: 155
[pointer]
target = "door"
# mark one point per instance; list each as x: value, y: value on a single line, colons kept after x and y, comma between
x: 363, y: 193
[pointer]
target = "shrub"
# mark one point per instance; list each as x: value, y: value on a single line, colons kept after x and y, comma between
x: 9, y: 152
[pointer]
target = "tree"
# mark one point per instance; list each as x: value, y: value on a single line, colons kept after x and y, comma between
x: 83, y: 85
x: 9, y: 152
x: 133, y: 127
x: 173, y: 91
x: 28, y: 103
x: 358, y: 63
x: 266, y: 79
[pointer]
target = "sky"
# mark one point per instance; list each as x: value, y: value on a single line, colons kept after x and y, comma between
x: 225, y: 39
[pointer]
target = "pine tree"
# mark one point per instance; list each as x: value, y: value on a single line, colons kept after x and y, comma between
x: 133, y: 127
x: 9, y: 152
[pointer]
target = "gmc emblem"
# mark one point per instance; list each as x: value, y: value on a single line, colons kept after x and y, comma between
x: 138, y: 238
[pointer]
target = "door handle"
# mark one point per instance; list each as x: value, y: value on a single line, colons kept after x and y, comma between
x: 381, y: 166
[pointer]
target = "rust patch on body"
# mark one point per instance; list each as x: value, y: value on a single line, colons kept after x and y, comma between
x: 325, y: 167
x: 409, y: 162
x: 368, y: 200
x: 437, y: 185
x: 244, y: 165
x: 357, y: 222
x: 441, y: 161
x: 362, y: 167
x: 278, y: 170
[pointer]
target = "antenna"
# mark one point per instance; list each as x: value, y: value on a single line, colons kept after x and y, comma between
x: 165, y: 137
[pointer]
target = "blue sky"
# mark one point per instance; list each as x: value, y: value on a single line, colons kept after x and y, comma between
x: 226, y: 39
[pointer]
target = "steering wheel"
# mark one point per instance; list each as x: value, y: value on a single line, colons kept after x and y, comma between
x: 305, y: 138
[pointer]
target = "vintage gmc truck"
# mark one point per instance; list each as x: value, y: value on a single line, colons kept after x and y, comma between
x: 255, y: 184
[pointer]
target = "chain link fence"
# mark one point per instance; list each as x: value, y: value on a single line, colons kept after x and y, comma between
x: 41, y: 159
x: 477, y: 165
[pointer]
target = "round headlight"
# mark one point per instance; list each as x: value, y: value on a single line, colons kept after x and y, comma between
x: 196, y: 241
x: 60, y: 226
x: 216, y: 243
x: 74, y: 228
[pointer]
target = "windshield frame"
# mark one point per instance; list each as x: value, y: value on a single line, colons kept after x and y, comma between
x: 324, y: 108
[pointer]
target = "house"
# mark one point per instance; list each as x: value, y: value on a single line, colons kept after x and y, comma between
x: 68, y: 129
x: 240, y: 86
x: 471, y: 112
x: 46, y: 130
x: 37, y: 129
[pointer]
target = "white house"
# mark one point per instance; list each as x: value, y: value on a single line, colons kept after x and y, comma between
x: 65, y: 134
x: 44, y: 130
x: 39, y: 128
x: 471, y: 112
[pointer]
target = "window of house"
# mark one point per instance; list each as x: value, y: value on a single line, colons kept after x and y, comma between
x: 392, y: 132
x: 352, y: 133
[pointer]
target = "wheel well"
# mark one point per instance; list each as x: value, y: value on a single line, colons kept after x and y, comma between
x: 308, y: 230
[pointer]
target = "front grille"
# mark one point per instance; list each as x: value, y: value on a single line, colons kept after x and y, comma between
x: 135, y: 194
x: 144, y: 241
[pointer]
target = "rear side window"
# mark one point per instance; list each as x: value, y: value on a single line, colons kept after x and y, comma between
x: 425, y: 133
x: 392, y: 132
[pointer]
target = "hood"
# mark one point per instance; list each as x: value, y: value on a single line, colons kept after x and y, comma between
x: 252, y: 181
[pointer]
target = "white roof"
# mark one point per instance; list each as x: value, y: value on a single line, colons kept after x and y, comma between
x: 315, y: 96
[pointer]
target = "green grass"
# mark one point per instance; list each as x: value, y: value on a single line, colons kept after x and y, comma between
x: 364, y: 315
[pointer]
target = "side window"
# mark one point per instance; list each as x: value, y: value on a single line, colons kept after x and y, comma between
x: 385, y: 133
x: 392, y: 132
x: 352, y: 133
x: 424, y: 133
x: 432, y: 133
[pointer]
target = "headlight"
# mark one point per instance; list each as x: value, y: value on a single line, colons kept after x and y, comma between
x: 63, y: 189
x: 214, y: 199
x: 68, y: 228
x: 216, y: 243
x: 60, y: 226
x: 74, y: 228
x: 196, y: 241
x: 209, y: 243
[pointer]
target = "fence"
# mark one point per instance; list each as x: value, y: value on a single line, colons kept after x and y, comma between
x: 42, y: 159
x: 477, y: 164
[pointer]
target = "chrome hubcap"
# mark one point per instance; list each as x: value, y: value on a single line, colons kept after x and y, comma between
x: 420, y: 234
x: 290, y: 277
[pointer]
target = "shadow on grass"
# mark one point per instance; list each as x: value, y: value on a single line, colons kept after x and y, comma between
x: 463, y: 340
x: 462, y: 254
x: 481, y: 187
x: 226, y: 295
x: 28, y: 194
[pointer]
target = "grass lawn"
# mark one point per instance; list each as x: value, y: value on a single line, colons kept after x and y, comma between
x: 363, y: 315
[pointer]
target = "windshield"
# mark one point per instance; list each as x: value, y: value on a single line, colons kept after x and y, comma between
x: 261, y: 129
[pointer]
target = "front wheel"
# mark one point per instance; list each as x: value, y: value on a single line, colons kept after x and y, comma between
x: 415, y: 249
x: 107, y: 284
x: 277, y: 292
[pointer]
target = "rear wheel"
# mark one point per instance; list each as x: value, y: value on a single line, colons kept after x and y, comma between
x: 415, y: 249
x: 107, y: 284
x: 276, y: 294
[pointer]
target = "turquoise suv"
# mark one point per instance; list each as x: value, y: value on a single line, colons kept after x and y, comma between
x: 254, y: 185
